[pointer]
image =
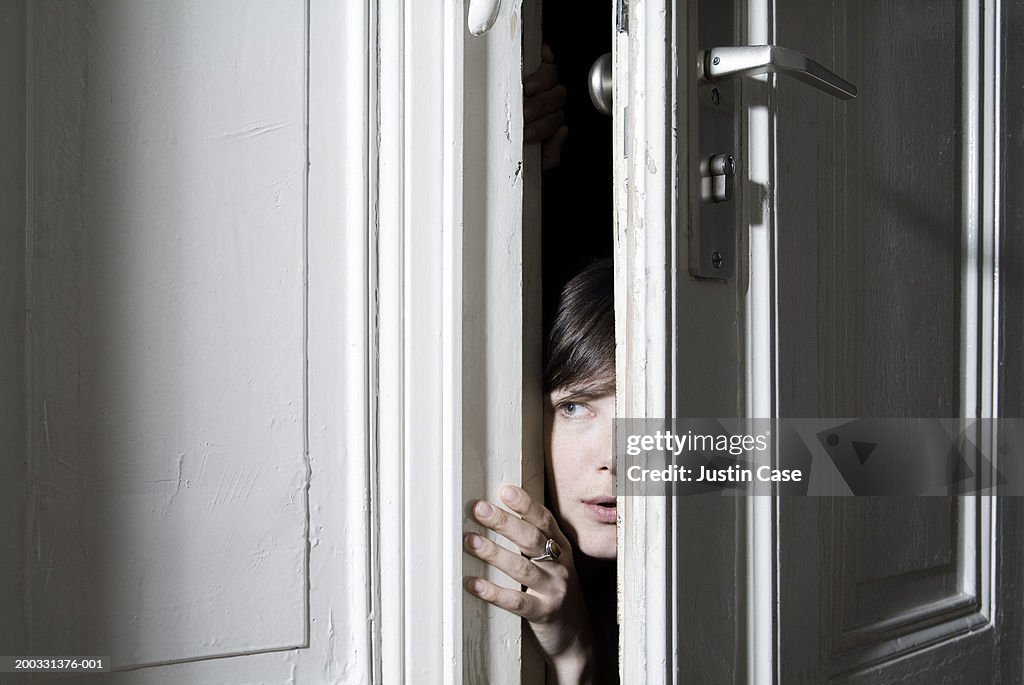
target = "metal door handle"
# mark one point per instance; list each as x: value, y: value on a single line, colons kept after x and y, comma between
x: 600, y: 83
x: 721, y: 64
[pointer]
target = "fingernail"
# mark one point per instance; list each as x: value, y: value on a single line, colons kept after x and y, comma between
x: 476, y: 586
x: 510, y: 494
x: 474, y: 541
x: 484, y: 510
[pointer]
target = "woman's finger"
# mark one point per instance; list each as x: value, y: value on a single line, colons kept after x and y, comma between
x: 519, y: 532
x: 544, y: 128
x: 533, y: 513
x: 519, y: 603
x: 546, y: 54
x: 515, y: 566
x: 551, y: 100
x: 551, y: 149
x: 545, y: 78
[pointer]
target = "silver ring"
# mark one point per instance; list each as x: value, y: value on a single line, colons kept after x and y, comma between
x: 551, y: 552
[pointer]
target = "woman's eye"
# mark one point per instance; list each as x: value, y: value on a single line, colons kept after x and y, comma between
x: 571, y: 410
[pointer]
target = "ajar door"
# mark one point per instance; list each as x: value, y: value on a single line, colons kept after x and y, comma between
x: 822, y: 229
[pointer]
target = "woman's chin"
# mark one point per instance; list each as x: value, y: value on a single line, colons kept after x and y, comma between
x: 599, y: 546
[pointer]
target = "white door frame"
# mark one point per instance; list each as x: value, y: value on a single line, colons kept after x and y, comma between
x: 644, y: 264
x: 660, y: 307
x: 452, y: 372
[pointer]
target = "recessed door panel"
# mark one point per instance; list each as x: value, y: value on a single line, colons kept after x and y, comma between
x: 167, y: 355
x: 877, y: 242
x: 870, y: 205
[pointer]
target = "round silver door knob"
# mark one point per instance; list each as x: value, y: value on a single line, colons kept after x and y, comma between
x: 600, y: 85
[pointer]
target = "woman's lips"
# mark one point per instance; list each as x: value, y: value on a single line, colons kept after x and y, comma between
x: 601, y: 509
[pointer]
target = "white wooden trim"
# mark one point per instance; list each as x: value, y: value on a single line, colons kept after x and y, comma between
x: 761, y: 339
x: 974, y: 518
x: 644, y: 250
x: 970, y: 154
x: 979, y: 281
x: 991, y: 183
x: 500, y: 356
x: 983, y: 27
x: 532, y: 666
x: 416, y: 304
x: 451, y: 310
x: 337, y: 218
x: 385, y: 308
x: 447, y: 270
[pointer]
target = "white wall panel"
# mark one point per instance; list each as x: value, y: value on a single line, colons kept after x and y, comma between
x: 167, y: 353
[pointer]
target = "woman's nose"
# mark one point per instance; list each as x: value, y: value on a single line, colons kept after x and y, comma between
x: 607, y: 463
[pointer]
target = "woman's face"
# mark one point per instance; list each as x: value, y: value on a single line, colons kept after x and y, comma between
x: 581, y: 469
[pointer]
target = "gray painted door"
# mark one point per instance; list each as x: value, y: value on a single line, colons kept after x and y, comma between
x: 886, y: 242
x: 874, y: 277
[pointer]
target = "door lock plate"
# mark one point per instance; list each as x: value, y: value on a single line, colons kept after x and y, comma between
x: 712, y: 241
x: 714, y: 197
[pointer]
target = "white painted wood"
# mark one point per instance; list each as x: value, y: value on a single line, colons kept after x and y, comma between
x: 453, y: 282
x: 760, y: 343
x: 681, y: 354
x: 416, y: 248
x: 166, y: 284
x: 280, y: 190
x: 643, y: 253
x: 388, y: 437
x: 353, y: 282
x: 501, y: 317
x: 297, y: 525
x: 452, y: 326
x: 533, y: 440
x: 12, y: 325
x: 339, y: 644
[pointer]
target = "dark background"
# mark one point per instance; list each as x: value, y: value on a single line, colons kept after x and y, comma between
x: 577, y: 195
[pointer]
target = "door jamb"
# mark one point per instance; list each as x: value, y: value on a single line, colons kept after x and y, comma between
x: 451, y: 372
x: 644, y: 288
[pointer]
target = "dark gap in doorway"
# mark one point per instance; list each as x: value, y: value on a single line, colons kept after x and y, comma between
x: 576, y: 195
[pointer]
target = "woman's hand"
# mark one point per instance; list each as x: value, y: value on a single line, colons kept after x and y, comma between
x: 553, y: 602
x: 543, y: 118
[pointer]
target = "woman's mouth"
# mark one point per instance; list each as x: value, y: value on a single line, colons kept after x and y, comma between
x: 601, y: 509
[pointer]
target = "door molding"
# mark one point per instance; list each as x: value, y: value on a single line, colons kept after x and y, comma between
x: 452, y: 370
x: 644, y: 160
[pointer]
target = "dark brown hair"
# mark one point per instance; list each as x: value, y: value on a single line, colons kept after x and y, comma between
x: 581, y: 347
